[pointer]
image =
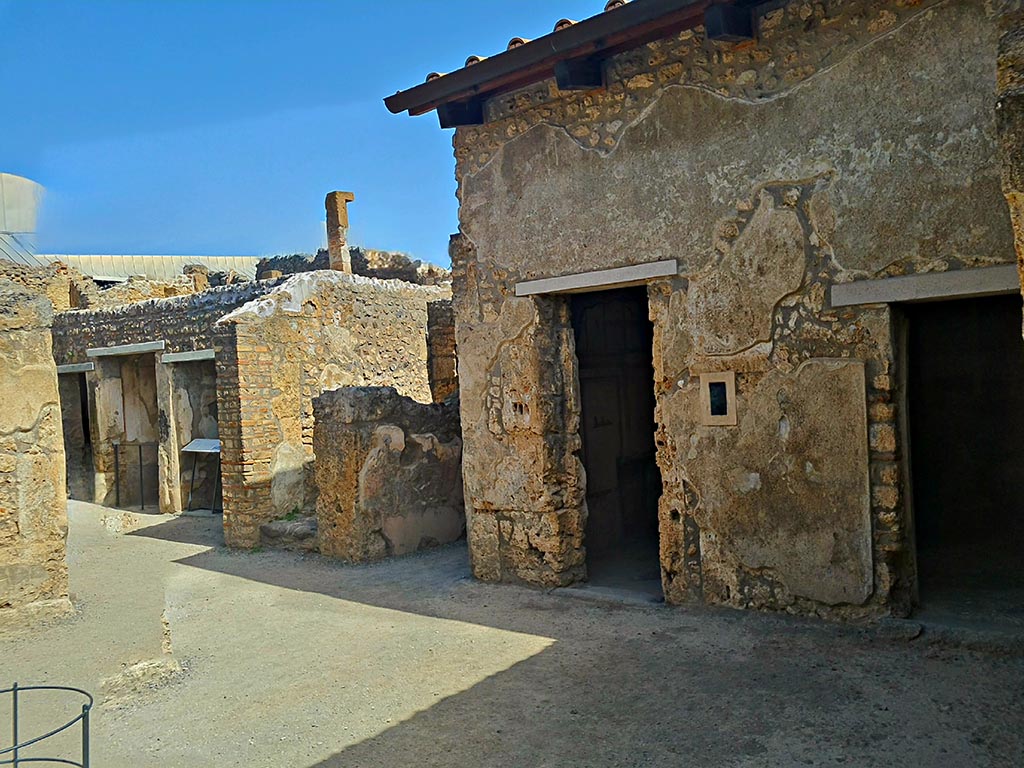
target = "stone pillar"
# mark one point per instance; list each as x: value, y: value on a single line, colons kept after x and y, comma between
x: 106, y: 424
x: 337, y: 230
x: 33, y: 501
x: 168, y: 461
x: 1010, y: 116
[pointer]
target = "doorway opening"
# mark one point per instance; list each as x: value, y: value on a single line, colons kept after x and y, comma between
x: 74, y: 411
x: 135, y: 445
x: 965, y: 406
x: 614, y: 344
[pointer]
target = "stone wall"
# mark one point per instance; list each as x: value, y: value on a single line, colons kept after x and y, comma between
x: 185, y: 322
x: 388, y: 470
x: 441, y: 359
x: 368, y: 262
x: 67, y: 288
x: 1010, y: 115
x: 33, y: 510
x: 63, y: 287
x: 136, y: 289
x: 853, y: 139
x: 77, y: 438
x: 316, y: 331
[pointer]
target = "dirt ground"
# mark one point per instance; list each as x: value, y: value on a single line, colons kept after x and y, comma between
x: 200, y: 657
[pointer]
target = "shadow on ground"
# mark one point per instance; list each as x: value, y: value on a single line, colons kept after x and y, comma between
x: 628, y: 685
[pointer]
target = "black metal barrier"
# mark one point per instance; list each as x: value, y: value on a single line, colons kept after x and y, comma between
x: 13, y: 755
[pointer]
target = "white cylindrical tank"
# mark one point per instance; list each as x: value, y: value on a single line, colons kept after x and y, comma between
x: 19, y: 204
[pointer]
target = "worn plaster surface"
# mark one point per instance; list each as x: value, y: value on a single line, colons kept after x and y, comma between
x: 388, y: 473
x: 851, y: 140
x: 33, y: 520
x: 315, y: 332
x: 418, y: 665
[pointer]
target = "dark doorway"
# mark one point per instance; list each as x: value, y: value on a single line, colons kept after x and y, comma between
x: 614, y: 347
x: 966, y: 412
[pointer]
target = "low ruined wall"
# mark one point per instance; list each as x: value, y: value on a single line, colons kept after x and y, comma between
x: 368, y: 262
x: 186, y: 322
x: 389, y: 473
x: 317, y: 331
x: 33, y: 507
x: 1010, y: 115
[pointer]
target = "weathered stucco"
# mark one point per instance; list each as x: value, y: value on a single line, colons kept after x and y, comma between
x: 388, y: 470
x: 1010, y: 114
x: 852, y: 139
x: 316, y: 331
x: 33, y: 514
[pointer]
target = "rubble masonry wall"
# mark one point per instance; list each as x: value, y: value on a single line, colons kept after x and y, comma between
x: 33, y: 508
x: 388, y: 471
x: 852, y: 140
x: 317, y: 331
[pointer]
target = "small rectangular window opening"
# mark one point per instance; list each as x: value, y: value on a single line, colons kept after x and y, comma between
x: 719, y: 399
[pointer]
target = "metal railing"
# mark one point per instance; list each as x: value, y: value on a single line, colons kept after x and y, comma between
x: 18, y: 748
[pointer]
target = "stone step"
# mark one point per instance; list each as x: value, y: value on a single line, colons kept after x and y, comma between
x: 297, y: 535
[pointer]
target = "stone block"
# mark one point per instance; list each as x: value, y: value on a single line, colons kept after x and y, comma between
x: 388, y: 473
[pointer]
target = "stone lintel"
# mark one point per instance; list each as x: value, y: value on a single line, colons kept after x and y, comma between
x: 127, y: 349
x: 76, y: 368
x: 931, y: 286
x: 599, y: 280
x: 188, y: 357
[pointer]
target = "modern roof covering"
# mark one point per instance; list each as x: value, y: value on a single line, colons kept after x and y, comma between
x: 13, y: 248
x: 117, y: 268
x: 572, y: 53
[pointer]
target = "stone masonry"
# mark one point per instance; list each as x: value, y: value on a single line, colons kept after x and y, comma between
x: 315, y: 332
x: 441, y: 359
x: 388, y: 470
x: 184, y: 324
x: 1010, y: 115
x: 850, y: 140
x: 33, y: 514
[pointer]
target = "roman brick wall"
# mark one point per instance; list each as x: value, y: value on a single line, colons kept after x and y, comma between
x: 316, y: 331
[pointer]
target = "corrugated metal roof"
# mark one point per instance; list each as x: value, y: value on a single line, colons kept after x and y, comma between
x: 121, y: 267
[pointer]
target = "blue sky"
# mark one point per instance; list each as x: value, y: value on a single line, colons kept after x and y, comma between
x: 217, y: 126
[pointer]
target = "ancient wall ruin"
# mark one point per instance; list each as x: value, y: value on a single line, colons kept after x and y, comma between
x: 368, y: 262
x: 442, y: 366
x: 853, y: 139
x: 316, y: 331
x: 185, y: 323
x: 388, y: 471
x: 33, y: 510
x: 63, y: 287
x: 154, y: 408
x: 1010, y: 114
